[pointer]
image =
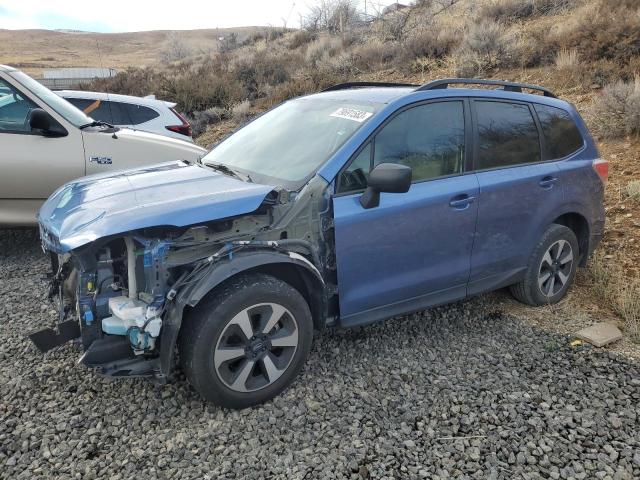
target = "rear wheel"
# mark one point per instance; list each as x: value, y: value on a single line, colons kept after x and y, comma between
x: 551, y: 268
x: 247, y: 343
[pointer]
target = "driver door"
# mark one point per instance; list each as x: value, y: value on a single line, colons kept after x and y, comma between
x: 32, y: 165
x: 414, y: 249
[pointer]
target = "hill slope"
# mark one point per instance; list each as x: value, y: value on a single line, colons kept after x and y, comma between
x: 35, y: 50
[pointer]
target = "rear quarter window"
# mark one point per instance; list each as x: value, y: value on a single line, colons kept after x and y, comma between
x: 139, y: 114
x: 561, y: 135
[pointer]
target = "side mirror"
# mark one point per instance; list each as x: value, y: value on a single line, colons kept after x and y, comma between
x: 41, y: 120
x: 386, y: 177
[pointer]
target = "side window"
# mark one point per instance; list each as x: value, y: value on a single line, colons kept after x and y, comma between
x: 428, y: 138
x: 119, y: 113
x: 357, y: 173
x: 507, y: 135
x: 14, y: 109
x: 99, y: 110
x: 81, y: 103
x: 561, y: 136
x: 140, y: 114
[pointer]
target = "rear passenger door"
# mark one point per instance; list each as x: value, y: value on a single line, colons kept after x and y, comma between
x: 414, y: 249
x: 519, y: 192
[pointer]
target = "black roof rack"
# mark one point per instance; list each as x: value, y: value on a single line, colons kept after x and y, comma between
x: 346, y: 86
x: 508, y: 86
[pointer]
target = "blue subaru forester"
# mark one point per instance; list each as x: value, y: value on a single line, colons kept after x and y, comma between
x: 341, y: 208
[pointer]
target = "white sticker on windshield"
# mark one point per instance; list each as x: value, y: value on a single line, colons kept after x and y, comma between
x: 351, y: 114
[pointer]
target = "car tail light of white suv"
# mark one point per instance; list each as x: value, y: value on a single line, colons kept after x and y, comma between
x: 184, y: 128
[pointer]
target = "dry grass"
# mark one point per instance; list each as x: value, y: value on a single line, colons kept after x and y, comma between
x: 567, y: 59
x: 601, y: 29
x: 484, y: 47
x: 620, y: 292
x: 36, y: 50
x: 633, y: 190
x: 241, y: 111
x: 521, y: 9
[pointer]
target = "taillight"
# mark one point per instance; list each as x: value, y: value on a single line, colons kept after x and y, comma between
x: 183, y: 129
x: 601, y: 166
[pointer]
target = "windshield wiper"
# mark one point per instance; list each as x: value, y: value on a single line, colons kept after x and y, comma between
x: 96, y: 123
x: 226, y: 170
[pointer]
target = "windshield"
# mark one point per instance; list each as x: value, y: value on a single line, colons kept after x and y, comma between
x: 59, y: 104
x: 288, y: 144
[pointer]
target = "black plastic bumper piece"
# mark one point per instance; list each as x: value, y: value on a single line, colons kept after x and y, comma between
x: 112, y: 356
x: 48, y: 339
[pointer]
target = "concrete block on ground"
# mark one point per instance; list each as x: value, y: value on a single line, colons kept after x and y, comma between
x: 600, y: 334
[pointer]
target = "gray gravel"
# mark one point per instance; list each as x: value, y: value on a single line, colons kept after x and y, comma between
x: 456, y: 392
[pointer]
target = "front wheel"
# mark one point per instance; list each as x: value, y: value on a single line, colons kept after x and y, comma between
x: 551, y: 268
x: 247, y: 342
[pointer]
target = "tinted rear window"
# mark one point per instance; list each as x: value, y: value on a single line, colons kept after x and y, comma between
x: 139, y: 114
x: 561, y: 135
x: 116, y: 113
x: 507, y: 135
x: 80, y: 103
x: 96, y: 109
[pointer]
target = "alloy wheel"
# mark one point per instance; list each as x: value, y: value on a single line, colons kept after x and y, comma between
x: 555, y: 268
x: 256, y: 347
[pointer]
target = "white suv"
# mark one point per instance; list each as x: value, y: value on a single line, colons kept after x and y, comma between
x: 45, y: 142
x: 140, y: 113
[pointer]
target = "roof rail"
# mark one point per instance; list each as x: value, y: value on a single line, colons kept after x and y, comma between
x: 346, y: 86
x: 508, y: 86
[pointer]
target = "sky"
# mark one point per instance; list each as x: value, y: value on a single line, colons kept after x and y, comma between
x: 138, y: 15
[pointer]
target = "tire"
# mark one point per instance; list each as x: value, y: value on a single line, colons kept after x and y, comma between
x: 551, y: 268
x: 232, y: 369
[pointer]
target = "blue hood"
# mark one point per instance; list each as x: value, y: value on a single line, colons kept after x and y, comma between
x: 172, y: 193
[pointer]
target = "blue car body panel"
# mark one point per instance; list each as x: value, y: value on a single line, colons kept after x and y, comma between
x: 172, y: 194
x: 412, y: 247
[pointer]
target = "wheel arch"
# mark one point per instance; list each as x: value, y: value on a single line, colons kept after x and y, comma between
x: 579, y: 225
x: 289, y: 267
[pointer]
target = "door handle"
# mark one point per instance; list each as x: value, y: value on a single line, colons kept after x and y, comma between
x: 547, y: 182
x: 461, y: 202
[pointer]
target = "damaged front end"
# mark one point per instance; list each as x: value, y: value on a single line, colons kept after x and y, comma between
x: 125, y: 294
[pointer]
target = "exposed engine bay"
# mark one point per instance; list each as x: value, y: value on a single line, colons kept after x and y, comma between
x: 125, y: 296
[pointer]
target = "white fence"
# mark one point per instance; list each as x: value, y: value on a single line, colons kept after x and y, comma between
x: 62, y: 83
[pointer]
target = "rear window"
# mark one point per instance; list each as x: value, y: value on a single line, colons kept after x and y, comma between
x: 116, y: 113
x: 561, y: 135
x: 507, y: 135
x: 139, y: 114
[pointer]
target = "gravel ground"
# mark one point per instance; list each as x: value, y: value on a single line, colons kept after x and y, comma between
x: 457, y: 392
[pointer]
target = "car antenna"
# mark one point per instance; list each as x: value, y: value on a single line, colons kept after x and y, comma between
x: 108, y: 99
